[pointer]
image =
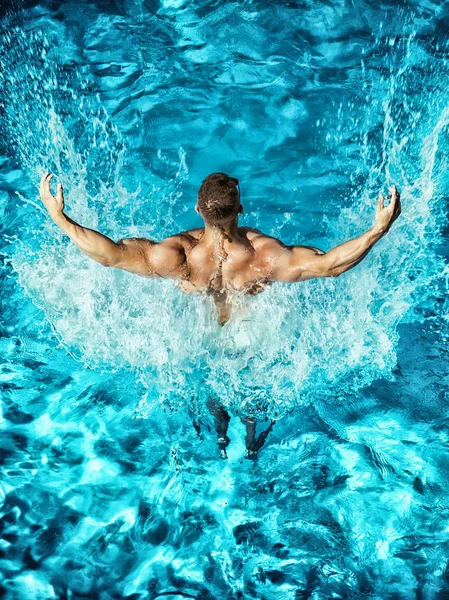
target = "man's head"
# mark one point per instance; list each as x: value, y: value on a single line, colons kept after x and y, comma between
x: 219, y: 199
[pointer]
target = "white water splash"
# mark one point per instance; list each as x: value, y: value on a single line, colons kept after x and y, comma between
x: 290, y: 343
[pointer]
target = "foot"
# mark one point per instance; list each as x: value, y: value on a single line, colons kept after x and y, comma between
x: 222, y: 443
x: 251, y: 454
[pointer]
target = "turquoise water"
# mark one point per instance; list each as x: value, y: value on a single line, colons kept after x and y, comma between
x: 111, y: 481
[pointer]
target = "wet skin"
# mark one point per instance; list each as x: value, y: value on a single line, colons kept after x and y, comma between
x: 222, y: 259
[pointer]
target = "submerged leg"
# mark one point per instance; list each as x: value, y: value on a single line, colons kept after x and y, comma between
x: 222, y: 419
x: 253, y: 445
x: 197, y: 426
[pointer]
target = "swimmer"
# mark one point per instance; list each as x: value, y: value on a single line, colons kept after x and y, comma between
x: 221, y: 259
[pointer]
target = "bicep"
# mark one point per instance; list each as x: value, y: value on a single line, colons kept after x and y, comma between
x: 298, y: 263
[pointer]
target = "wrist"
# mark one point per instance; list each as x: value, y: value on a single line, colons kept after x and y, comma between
x: 378, y: 229
x: 58, y: 217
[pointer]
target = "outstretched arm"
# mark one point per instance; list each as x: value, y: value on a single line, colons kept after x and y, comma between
x: 298, y: 263
x: 140, y: 256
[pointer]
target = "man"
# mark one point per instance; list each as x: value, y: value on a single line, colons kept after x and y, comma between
x: 221, y: 259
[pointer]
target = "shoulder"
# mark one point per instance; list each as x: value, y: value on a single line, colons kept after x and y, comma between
x: 177, y: 245
x: 255, y: 235
x: 169, y: 250
x: 251, y: 232
x: 184, y: 240
x: 167, y: 258
x: 195, y: 233
x: 147, y: 257
x: 191, y: 234
x: 261, y: 241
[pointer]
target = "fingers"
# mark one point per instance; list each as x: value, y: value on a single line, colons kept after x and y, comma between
x: 395, y: 201
x: 42, y: 182
x: 60, y: 193
x: 45, y: 181
x: 44, y: 185
x: 394, y: 196
x: 387, y: 215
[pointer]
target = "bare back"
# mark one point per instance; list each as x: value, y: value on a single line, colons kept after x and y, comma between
x: 225, y: 267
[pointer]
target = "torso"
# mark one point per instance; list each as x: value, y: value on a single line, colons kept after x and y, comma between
x: 227, y: 268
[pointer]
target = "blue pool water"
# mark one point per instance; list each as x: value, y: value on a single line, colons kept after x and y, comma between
x: 111, y: 485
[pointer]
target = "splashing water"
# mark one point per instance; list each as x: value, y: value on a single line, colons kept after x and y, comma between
x: 292, y: 342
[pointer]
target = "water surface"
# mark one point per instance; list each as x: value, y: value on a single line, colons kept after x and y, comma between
x: 111, y: 482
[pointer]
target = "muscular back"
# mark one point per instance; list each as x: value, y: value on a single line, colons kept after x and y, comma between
x: 237, y: 265
x: 218, y: 265
x: 224, y: 268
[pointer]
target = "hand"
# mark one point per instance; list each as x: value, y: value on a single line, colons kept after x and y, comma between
x: 387, y: 215
x: 54, y: 204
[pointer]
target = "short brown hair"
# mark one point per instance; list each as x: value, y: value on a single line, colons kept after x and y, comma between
x: 218, y: 198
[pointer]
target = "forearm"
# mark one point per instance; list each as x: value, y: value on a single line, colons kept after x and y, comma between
x: 349, y: 254
x: 96, y: 245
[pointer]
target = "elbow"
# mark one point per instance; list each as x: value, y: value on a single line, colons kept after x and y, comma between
x: 334, y: 272
x: 333, y: 269
x: 106, y: 262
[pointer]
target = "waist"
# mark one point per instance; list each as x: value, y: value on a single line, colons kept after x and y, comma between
x: 228, y: 291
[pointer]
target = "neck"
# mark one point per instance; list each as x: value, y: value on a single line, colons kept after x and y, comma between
x: 228, y: 230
